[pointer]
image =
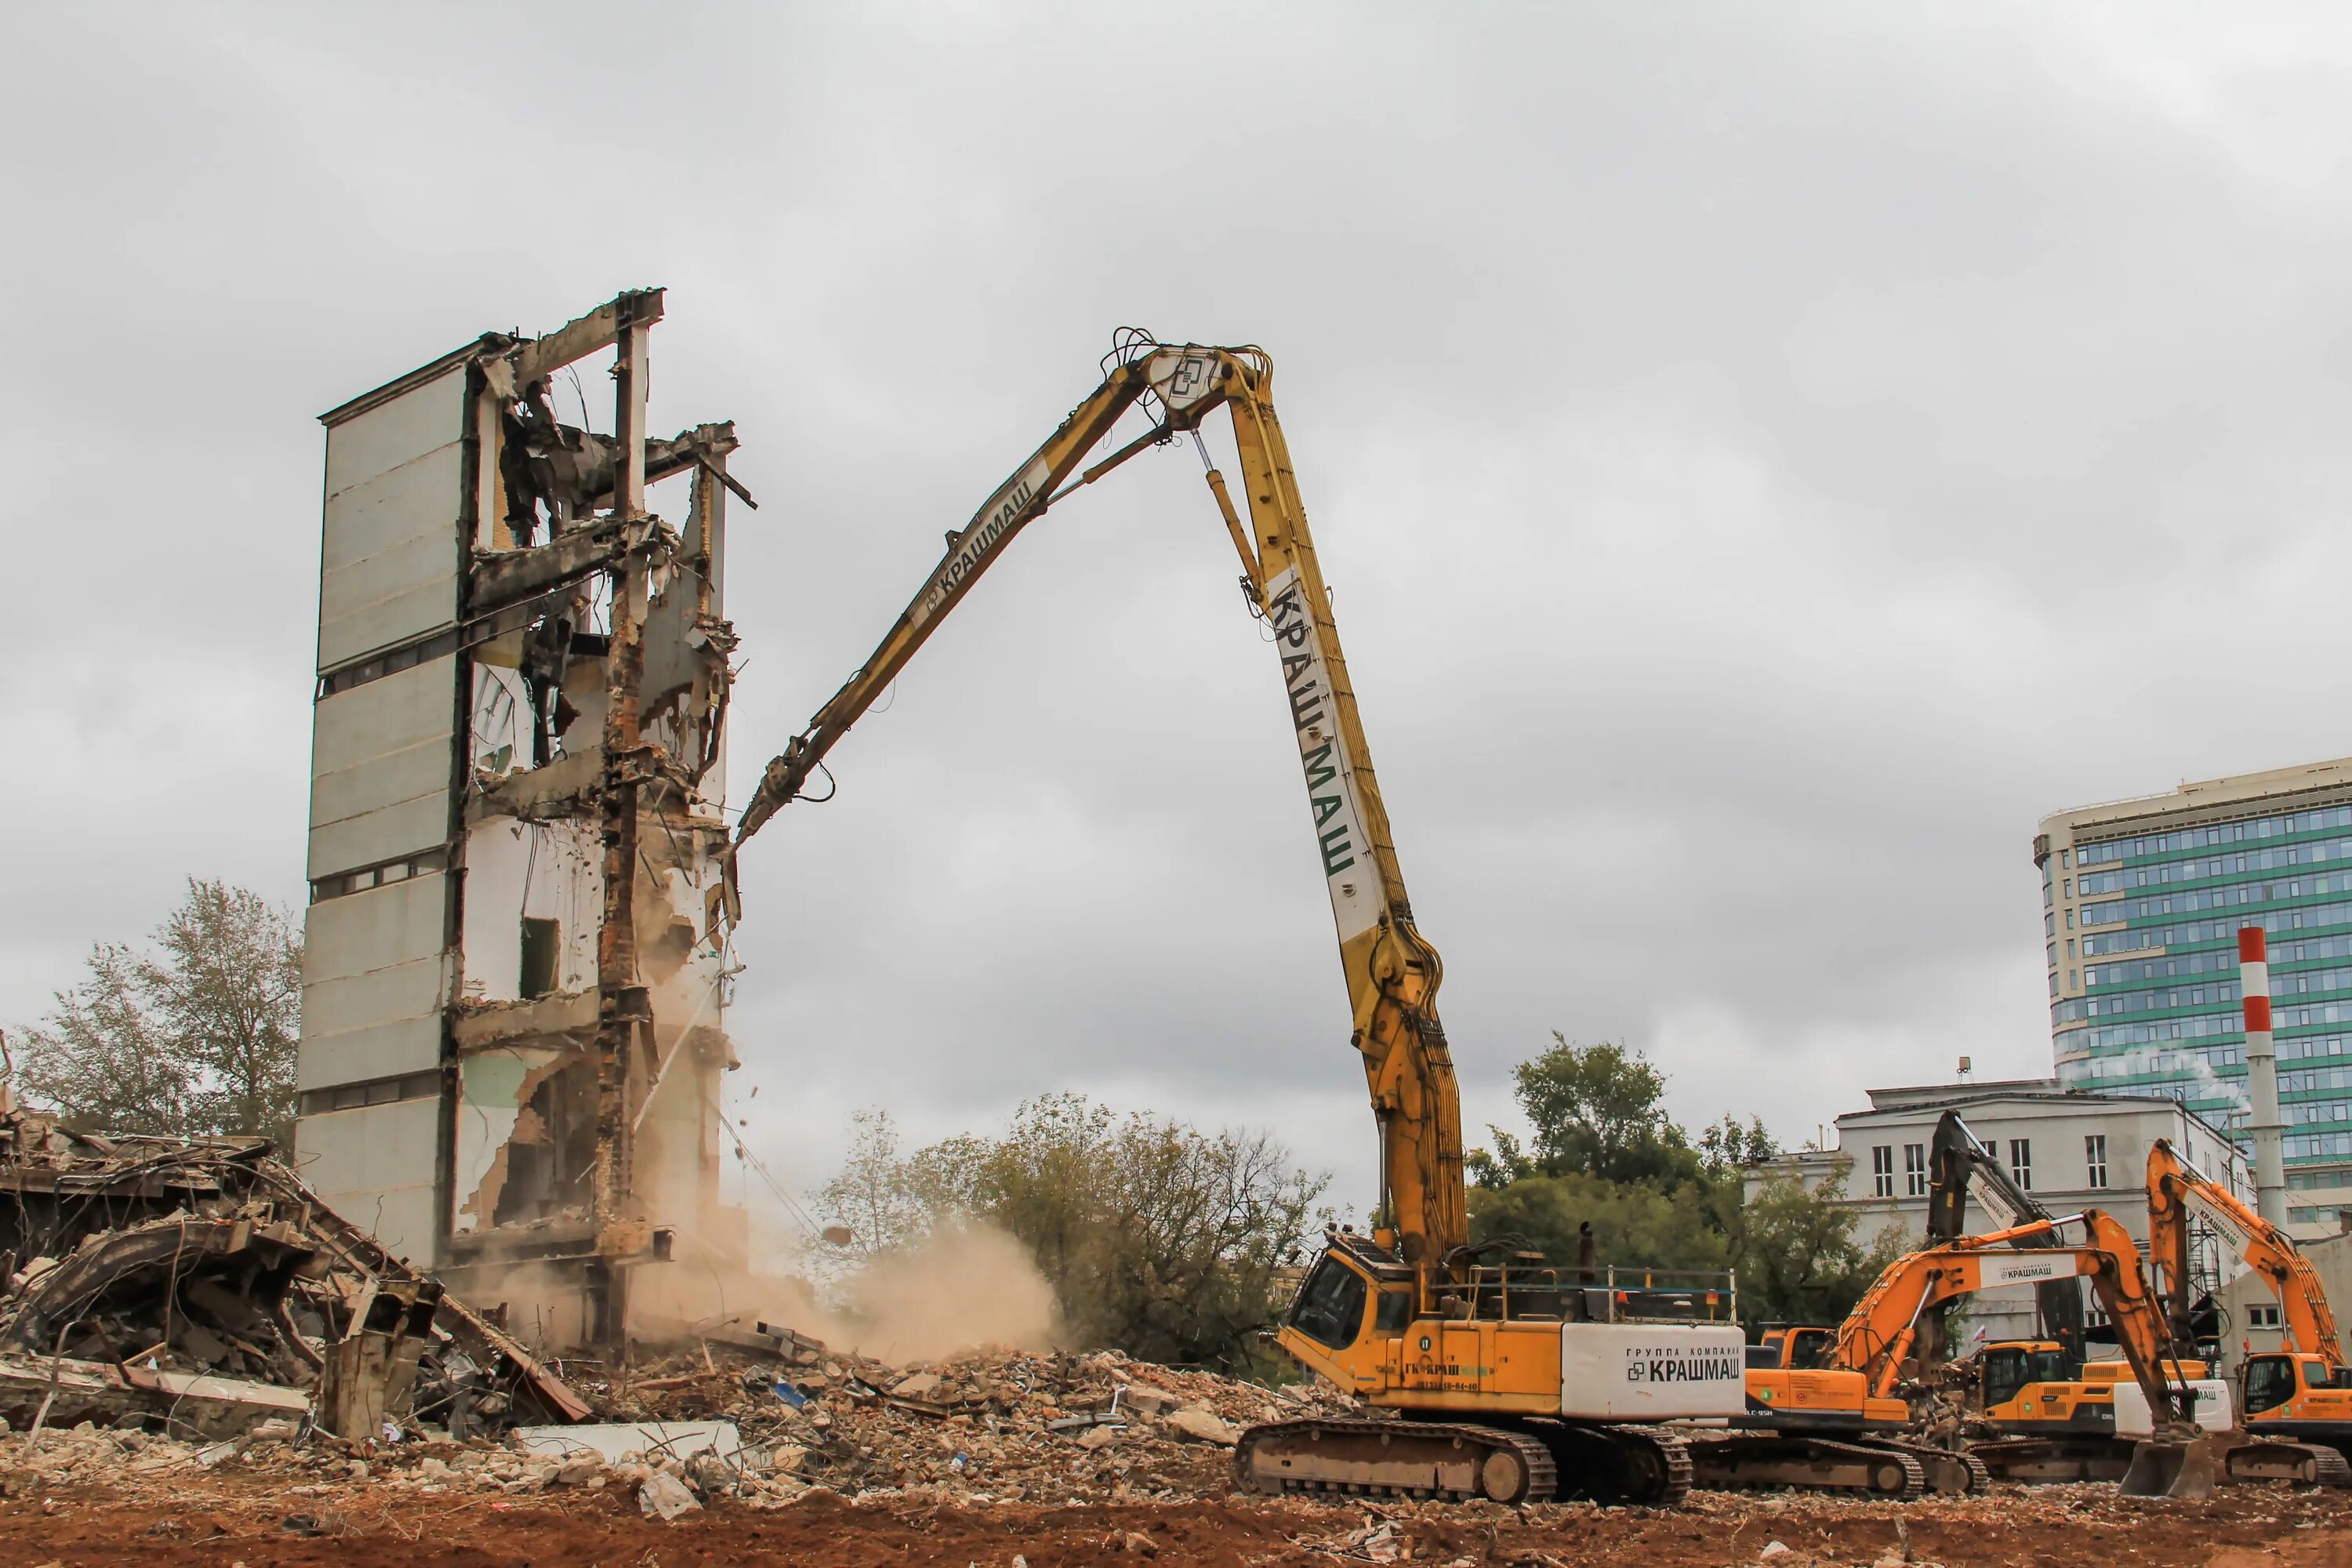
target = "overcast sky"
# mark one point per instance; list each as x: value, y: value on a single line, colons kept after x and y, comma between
x: 1765, y: 457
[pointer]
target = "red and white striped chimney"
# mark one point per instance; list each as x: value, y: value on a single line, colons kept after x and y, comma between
x: 2262, y: 1075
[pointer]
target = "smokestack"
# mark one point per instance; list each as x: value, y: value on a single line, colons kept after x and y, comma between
x: 2261, y: 1074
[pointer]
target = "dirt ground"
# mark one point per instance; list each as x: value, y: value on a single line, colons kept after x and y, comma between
x: 220, y: 1522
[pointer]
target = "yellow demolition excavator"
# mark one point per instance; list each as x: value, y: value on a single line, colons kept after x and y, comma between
x: 2303, y: 1393
x: 1500, y: 1376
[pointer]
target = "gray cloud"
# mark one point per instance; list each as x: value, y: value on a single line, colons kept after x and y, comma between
x: 1766, y: 459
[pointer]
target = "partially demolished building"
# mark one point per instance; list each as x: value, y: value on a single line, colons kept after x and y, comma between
x: 517, y: 945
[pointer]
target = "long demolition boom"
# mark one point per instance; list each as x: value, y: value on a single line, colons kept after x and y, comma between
x: 1392, y: 974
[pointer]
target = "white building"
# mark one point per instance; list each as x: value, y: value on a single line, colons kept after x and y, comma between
x: 2072, y: 1151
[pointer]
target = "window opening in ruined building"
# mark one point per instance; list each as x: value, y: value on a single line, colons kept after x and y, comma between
x: 1915, y: 1170
x: 542, y: 956
x: 2094, y: 1155
x: 2020, y: 1163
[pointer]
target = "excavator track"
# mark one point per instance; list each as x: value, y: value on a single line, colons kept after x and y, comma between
x: 1950, y: 1473
x: 2259, y: 1458
x: 1753, y: 1461
x: 1395, y: 1459
x: 1636, y: 1466
x: 2041, y: 1461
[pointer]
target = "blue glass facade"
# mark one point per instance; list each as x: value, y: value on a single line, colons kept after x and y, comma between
x: 2141, y: 932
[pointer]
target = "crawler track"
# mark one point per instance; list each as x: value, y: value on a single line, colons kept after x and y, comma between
x: 1949, y: 1472
x: 2260, y: 1458
x: 1642, y: 1466
x: 1534, y: 1462
x: 1395, y: 1459
x: 1754, y: 1461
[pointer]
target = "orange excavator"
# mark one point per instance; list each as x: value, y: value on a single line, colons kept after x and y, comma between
x: 1815, y: 1425
x: 1885, y: 1330
x: 2303, y: 1392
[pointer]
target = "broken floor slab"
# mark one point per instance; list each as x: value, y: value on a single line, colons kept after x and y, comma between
x: 676, y: 1439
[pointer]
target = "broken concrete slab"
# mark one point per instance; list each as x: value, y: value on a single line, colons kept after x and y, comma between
x: 664, y: 1496
x: 609, y: 1442
x: 1204, y: 1426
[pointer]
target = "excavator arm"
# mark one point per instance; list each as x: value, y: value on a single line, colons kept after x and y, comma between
x: 1391, y: 973
x: 1883, y: 1326
x: 2176, y: 1190
x: 1958, y: 1158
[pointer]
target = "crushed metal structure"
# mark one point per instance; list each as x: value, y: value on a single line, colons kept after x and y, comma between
x: 517, y: 946
x: 202, y: 1287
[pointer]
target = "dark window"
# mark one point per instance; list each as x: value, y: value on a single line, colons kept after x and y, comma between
x: 1811, y: 1347
x: 1330, y: 1310
x: 2008, y: 1369
x: 542, y: 950
x: 1762, y: 1358
x: 2270, y: 1382
x: 1392, y: 1312
x: 2004, y: 1374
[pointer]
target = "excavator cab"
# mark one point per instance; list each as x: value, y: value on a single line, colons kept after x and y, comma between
x: 1330, y: 1306
x: 2012, y: 1377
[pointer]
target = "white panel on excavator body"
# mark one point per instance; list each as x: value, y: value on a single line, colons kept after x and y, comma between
x: 2216, y: 1410
x: 1652, y: 1371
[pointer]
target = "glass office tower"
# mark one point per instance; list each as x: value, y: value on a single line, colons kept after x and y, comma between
x: 2142, y: 900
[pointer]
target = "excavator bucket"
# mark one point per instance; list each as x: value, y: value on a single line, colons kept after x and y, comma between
x: 2170, y: 1467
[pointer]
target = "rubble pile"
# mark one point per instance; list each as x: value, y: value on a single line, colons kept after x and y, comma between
x: 994, y: 1425
x: 198, y: 1287
x: 170, y: 1308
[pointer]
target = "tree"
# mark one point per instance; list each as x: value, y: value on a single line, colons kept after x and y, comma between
x: 1727, y: 1148
x: 874, y: 1196
x: 1158, y: 1238
x: 1799, y: 1256
x: 1607, y: 1159
x: 1598, y: 1110
x: 1636, y: 1223
x: 196, y: 1040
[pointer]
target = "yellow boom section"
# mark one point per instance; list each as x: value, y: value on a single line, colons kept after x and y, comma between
x: 1391, y: 973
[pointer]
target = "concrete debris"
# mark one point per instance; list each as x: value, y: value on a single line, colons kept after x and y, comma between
x: 989, y: 1424
x: 613, y: 1442
x: 663, y: 1496
x: 202, y: 1288
x: 1205, y: 1426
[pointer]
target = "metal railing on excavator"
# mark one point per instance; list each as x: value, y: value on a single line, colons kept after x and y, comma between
x: 1598, y: 1293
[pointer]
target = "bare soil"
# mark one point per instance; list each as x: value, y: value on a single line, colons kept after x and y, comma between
x: 218, y: 1521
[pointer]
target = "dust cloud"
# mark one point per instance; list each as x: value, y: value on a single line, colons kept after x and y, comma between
x: 963, y: 1287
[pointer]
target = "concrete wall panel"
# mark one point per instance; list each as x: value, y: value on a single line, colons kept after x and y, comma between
x: 346, y: 1154
x: 390, y: 434
x: 395, y: 832
x: 385, y: 1049
x: 389, y: 555
x: 380, y: 929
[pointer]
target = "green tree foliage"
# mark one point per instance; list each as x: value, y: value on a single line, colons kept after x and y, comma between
x: 193, y: 1038
x: 1597, y: 1110
x: 1158, y: 1238
x: 1605, y: 1154
x: 1800, y: 1254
